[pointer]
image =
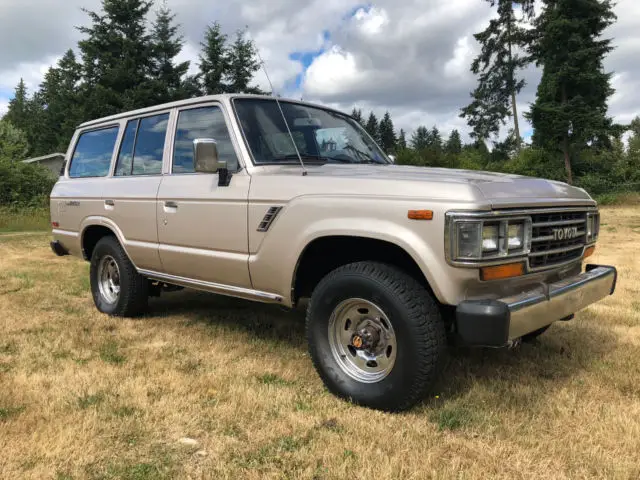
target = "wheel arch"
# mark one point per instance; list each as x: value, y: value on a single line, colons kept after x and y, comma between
x: 95, y: 228
x: 325, y: 253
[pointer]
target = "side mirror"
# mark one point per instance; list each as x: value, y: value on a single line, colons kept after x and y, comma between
x: 392, y: 158
x: 205, y: 156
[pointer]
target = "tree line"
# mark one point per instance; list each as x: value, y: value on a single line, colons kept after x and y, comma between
x: 125, y: 64
x: 574, y: 139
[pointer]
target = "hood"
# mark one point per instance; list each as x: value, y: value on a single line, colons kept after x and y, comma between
x: 500, y: 189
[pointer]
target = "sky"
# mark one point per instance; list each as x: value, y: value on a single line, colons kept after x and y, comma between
x: 408, y: 57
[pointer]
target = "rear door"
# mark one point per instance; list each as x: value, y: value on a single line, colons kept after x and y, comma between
x: 202, y: 227
x: 130, y: 194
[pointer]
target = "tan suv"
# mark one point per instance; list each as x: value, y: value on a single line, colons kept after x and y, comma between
x: 277, y: 201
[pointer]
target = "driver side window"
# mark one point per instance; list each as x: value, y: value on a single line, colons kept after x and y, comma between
x: 203, y: 122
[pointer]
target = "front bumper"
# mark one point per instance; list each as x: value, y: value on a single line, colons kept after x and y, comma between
x: 497, y: 322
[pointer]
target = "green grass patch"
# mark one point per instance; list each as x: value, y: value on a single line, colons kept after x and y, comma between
x: 109, y: 352
x: 8, y: 348
x: 24, y: 219
x: 273, y: 379
x: 8, y: 412
x: 87, y: 401
x: 125, y: 411
x: 618, y: 199
x: 451, y: 417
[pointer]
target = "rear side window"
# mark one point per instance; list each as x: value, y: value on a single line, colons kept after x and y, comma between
x: 203, y: 122
x: 142, y: 146
x: 92, y: 155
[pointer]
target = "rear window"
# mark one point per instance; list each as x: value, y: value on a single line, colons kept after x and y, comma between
x: 143, y: 146
x: 93, y: 152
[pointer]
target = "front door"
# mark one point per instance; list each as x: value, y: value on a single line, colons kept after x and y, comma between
x: 202, y: 227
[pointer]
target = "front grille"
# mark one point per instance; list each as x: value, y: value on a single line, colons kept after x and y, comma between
x: 548, y: 249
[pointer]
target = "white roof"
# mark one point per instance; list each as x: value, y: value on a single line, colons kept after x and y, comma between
x: 44, y: 157
x: 191, y: 101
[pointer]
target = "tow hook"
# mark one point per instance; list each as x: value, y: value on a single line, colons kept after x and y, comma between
x: 515, y: 343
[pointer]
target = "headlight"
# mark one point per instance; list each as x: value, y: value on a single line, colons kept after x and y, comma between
x: 515, y: 238
x: 593, y: 226
x: 474, y: 239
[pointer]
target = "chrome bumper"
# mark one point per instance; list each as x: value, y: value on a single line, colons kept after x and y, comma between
x: 497, y: 322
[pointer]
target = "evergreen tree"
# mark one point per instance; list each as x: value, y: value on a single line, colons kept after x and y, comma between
x: 167, y: 75
x: 214, y: 60
x: 242, y: 65
x: 454, y: 143
x: 357, y: 115
x: 372, y: 127
x: 494, y: 99
x: 117, y: 58
x: 434, y: 141
x: 402, y: 140
x: 18, y: 113
x: 58, y: 108
x: 387, y: 134
x: 570, y: 111
x: 420, y: 138
x: 633, y: 150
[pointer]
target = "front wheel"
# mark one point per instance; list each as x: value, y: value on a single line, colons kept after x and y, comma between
x: 375, y: 336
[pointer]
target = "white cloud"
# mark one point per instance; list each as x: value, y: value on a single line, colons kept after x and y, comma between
x: 4, y: 106
x: 331, y: 72
x: 31, y: 72
x: 458, y: 65
x: 371, y: 21
x: 410, y: 57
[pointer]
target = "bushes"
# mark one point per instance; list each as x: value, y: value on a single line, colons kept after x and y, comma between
x: 24, y: 185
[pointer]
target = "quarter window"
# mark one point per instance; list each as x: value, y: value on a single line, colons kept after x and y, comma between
x: 204, y: 122
x: 93, y: 152
x: 142, y: 146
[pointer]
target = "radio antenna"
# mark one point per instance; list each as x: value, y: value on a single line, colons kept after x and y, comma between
x: 266, y: 73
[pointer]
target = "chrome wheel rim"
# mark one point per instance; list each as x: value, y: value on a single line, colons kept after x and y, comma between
x: 109, y: 279
x: 362, y: 340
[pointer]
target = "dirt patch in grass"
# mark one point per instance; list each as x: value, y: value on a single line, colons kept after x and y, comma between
x: 111, y: 398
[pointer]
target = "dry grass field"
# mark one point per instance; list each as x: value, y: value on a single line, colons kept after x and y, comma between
x: 83, y: 395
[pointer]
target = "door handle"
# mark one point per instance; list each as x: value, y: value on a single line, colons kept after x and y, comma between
x: 171, y: 204
x: 109, y: 203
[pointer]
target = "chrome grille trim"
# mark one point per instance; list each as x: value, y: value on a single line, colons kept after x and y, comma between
x: 550, y: 237
x: 548, y: 251
x: 560, y: 223
x: 555, y: 250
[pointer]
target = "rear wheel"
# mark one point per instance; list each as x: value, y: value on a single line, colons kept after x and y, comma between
x: 116, y: 286
x: 375, y: 336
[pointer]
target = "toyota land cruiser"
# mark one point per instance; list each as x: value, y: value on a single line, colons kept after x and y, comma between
x: 274, y: 200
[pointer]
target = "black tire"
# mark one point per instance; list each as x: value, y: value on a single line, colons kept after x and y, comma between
x: 132, y: 299
x: 415, y: 318
x: 530, y: 337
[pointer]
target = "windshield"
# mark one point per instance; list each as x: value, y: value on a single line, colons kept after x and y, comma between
x: 322, y: 136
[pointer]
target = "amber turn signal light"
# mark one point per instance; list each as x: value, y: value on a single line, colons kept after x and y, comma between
x: 420, y: 214
x: 502, y: 271
x: 589, y: 251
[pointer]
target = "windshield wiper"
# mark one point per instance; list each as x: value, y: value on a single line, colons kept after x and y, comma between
x: 318, y: 158
x: 304, y: 156
x: 368, y: 158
